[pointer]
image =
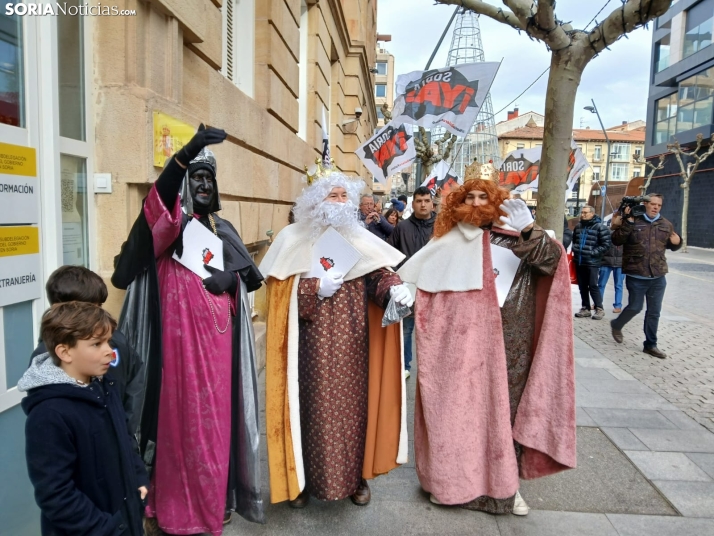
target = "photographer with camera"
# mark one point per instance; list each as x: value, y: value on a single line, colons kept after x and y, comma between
x: 591, y: 240
x: 373, y: 220
x: 644, y: 234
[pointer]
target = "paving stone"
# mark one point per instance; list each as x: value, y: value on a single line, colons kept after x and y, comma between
x: 622, y: 375
x: 546, y: 523
x: 583, y: 373
x: 599, y: 362
x: 612, y: 385
x: 676, y: 440
x: 692, y: 499
x: 629, y: 418
x: 624, y: 439
x: 634, y: 525
x: 680, y: 419
x: 622, y: 401
x: 704, y: 461
x: 667, y: 466
x: 583, y: 419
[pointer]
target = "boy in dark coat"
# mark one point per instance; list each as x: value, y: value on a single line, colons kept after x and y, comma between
x: 77, y: 283
x: 88, y: 479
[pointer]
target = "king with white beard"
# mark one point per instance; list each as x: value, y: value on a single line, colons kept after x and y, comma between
x: 335, y: 394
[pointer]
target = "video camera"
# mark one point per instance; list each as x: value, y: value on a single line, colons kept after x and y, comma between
x: 635, y: 204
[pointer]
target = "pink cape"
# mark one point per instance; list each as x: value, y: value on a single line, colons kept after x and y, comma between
x: 463, y: 438
x: 188, y: 488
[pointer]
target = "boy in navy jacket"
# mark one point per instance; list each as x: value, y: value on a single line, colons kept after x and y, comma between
x: 88, y: 479
x: 77, y: 283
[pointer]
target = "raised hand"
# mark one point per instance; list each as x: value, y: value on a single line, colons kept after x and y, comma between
x: 202, y: 138
x: 518, y: 215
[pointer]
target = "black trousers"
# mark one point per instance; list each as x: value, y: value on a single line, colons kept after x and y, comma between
x: 641, y: 290
x: 587, y: 283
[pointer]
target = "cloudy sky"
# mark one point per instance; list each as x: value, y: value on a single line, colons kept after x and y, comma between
x: 617, y: 79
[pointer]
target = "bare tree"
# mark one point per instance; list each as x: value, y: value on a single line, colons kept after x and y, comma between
x: 687, y: 173
x: 637, y: 159
x: 571, y: 51
x: 425, y: 150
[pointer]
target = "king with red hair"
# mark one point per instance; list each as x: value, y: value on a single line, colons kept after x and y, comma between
x: 495, y: 397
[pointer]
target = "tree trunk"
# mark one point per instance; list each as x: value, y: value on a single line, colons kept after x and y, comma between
x: 685, y: 213
x: 563, y: 82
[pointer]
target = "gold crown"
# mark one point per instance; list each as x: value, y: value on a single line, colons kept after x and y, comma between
x: 318, y: 170
x: 477, y: 170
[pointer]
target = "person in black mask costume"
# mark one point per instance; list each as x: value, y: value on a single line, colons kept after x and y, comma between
x: 199, y: 427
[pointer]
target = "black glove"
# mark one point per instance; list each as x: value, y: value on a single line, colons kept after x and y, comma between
x: 204, y: 136
x: 220, y: 281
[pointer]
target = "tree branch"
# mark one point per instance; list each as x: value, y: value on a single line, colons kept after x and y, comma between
x: 553, y: 34
x: 482, y: 8
x: 623, y: 20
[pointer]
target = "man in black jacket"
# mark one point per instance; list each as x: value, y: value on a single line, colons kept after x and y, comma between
x: 591, y: 240
x: 409, y: 237
x: 644, y: 239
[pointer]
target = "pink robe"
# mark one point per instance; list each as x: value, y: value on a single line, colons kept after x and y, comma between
x: 190, y: 480
x: 463, y: 428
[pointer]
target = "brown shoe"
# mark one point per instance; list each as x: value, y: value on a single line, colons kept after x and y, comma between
x: 362, y: 496
x: 656, y: 352
x: 300, y: 501
x: 583, y: 313
x: 227, y: 517
x: 599, y: 314
x: 151, y: 527
x: 617, y: 310
x: 616, y: 334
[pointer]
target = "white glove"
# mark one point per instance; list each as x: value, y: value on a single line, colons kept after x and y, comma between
x: 518, y: 215
x: 329, y: 284
x: 401, y: 295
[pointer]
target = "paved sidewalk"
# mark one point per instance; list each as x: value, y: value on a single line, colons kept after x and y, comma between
x: 637, y: 452
x: 686, y: 333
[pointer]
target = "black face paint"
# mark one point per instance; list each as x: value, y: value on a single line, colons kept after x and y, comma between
x: 202, y: 188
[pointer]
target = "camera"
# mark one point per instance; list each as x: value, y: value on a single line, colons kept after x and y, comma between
x: 635, y: 204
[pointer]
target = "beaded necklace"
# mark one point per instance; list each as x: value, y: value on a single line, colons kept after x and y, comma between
x: 208, y: 297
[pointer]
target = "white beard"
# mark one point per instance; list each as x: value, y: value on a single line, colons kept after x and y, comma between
x: 342, y: 216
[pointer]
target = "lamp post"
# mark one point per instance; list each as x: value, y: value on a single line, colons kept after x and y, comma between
x: 593, y: 109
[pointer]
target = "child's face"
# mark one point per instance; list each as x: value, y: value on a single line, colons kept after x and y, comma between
x: 90, y: 357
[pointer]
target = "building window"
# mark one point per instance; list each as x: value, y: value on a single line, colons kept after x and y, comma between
x: 74, y: 210
x: 12, y: 88
x: 698, y: 28
x: 620, y: 152
x: 637, y: 172
x: 597, y: 154
x: 695, y: 101
x: 665, y: 118
x: 239, y: 43
x: 303, y: 72
x: 662, y: 54
x: 381, y: 67
x: 380, y: 115
x: 618, y: 172
x: 19, y: 341
x: 70, y: 56
x: 596, y: 173
x: 520, y: 145
x: 380, y: 90
x: 638, y: 152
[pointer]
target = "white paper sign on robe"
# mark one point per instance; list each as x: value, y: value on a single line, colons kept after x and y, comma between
x: 505, y: 264
x: 332, y: 254
x: 449, y: 97
x: 200, y: 247
x: 388, y: 151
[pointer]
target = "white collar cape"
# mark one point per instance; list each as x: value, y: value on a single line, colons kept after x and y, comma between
x: 291, y: 253
x: 450, y: 263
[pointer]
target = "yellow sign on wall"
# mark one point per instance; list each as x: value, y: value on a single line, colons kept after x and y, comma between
x: 170, y: 135
x: 19, y: 241
x: 18, y: 160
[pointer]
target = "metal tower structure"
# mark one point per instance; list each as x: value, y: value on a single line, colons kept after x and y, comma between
x: 481, y: 143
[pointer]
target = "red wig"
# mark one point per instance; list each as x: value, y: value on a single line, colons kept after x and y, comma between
x: 454, y: 209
